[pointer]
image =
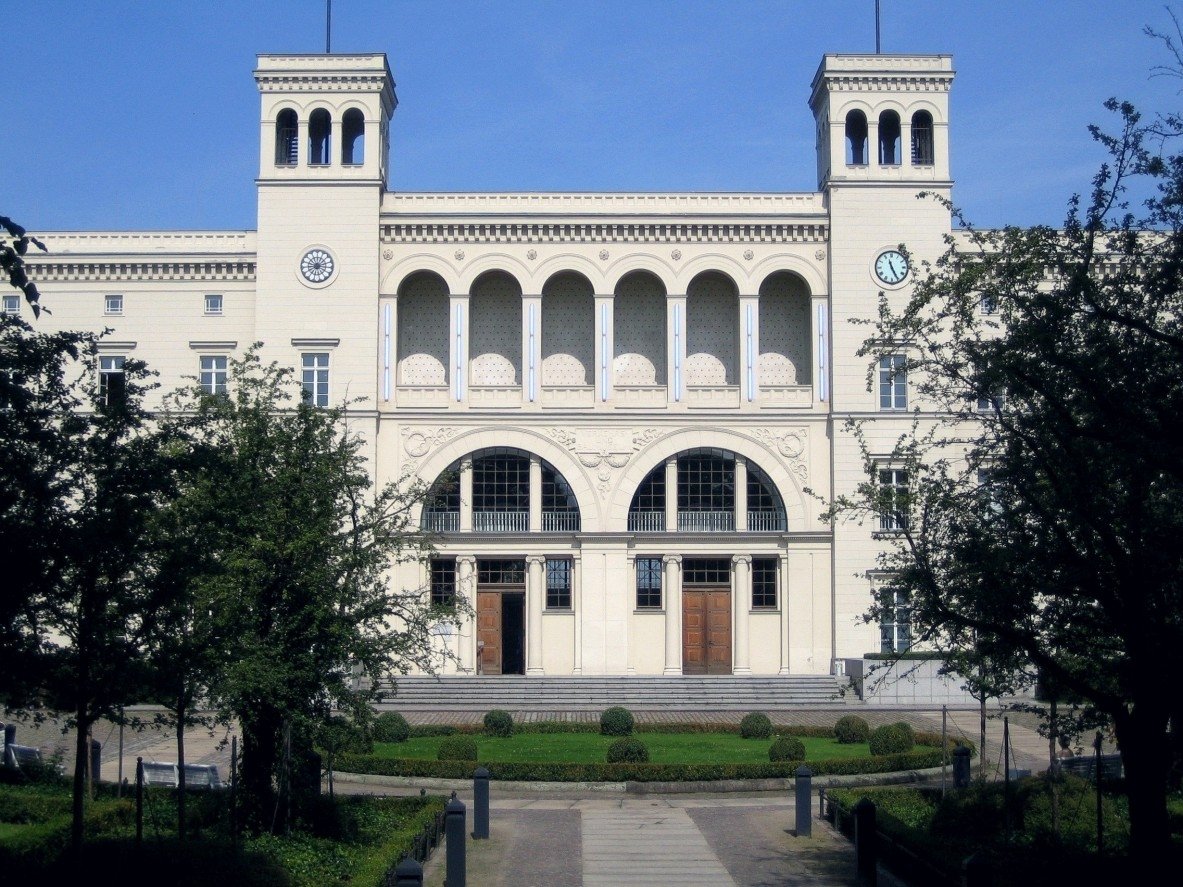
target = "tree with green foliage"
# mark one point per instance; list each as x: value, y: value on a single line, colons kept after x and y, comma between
x: 1045, y: 505
x: 298, y: 584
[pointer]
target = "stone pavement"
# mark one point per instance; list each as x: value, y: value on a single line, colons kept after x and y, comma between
x: 700, y: 840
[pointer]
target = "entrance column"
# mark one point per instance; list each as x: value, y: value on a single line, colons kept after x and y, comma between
x: 672, y: 595
x: 577, y: 605
x: 741, y: 605
x: 671, y: 494
x: 535, y: 494
x: 782, y: 600
x: 741, y: 493
x: 535, y: 599
x: 466, y: 586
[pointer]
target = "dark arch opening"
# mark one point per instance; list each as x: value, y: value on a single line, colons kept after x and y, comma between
x: 922, y: 143
x: 287, y: 138
x: 353, y: 138
x: 889, y: 138
x: 320, y: 127
x: 856, y: 139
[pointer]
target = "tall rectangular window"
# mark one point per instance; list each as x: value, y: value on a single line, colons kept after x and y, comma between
x: 112, y: 382
x: 443, y: 582
x: 558, y: 584
x: 893, y: 382
x: 648, y: 583
x: 763, y: 583
x: 12, y: 304
x: 113, y: 304
x: 213, y: 304
x: 988, y: 303
x: 213, y: 374
x: 893, y: 499
x: 895, y: 626
x: 315, y: 379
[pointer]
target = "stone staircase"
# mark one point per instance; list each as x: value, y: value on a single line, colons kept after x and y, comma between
x: 595, y: 693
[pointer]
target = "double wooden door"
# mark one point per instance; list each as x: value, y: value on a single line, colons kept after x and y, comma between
x: 501, y: 630
x: 706, y: 630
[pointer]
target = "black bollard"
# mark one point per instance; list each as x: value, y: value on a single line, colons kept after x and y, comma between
x: 864, y: 842
x: 480, y: 804
x: 804, y: 785
x: 139, y: 801
x: 96, y: 761
x: 10, y: 734
x: 961, y: 770
x: 455, y: 874
x: 408, y: 874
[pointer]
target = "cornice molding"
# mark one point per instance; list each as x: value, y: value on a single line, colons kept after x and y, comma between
x: 135, y: 271
x: 603, y: 232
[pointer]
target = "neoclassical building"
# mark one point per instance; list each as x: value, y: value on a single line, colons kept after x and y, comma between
x: 631, y: 406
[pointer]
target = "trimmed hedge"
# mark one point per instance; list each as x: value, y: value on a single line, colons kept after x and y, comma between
x: 891, y: 740
x: 498, y: 723
x: 628, y: 750
x: 390, y: 726
x: 851, y: 729
x: 457, y: 748
x: 594, y: 772
x: 786, y: 748
x: 755, y: 725
x: 617, y: 721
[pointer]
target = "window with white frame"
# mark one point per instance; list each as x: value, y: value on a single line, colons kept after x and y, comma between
x: 893, y: 382
x: 895, y: 624
x: 648, y: 583
x: 213, y: 374
x: 112, y: 381
x: 443, y: 581
x: 988, y: 303
x: 315, y: 378
x: 113, y: 304
x: 213, y: 304
x: 558, y: 584
x: 12, y: 304
x: 991, y: 404
x: 763, y: 583
x: 893, y: 499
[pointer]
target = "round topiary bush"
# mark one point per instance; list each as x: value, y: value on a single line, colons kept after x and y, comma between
x: 390, y: 726
x: 907, y: 728
x: 628, y: 751
x: 755, y: 725
x: 617, y: 721
x: 457, y: 748
x: 890, y: 740
x: 786, y: 748
x: 851, y: 729
x: 498, y: 723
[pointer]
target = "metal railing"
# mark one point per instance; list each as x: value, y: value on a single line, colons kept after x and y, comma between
x: 560, y: 521
x: 287, y: 146
x: 646, y: 521
x: 706, y: 521
x: 766, y: 521
x: 501, y: 521
x: 441, y: 521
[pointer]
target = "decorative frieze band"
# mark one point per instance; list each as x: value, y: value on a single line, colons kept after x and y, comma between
x: 625, y: 232
x: 66, y: 271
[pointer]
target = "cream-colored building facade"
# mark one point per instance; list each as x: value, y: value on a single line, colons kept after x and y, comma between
x: 634, y: 403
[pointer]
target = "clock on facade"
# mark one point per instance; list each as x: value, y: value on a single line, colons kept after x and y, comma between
x: 316, y: 266
x: 891, y: 267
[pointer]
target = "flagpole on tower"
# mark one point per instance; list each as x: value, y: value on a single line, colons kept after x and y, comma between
x: 878, y: 50
x: 329, y: 24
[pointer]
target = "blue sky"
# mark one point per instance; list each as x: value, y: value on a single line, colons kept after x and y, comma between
x: 143, y: 115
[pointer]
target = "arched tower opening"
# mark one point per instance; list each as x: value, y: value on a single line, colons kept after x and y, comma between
x: 320, y: 127
x: 353, y: 138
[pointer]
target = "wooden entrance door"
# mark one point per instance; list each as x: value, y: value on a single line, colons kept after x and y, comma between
x: 488, y: 621
x: 706, y: 631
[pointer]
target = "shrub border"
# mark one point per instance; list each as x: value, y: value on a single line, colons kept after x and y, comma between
x: 926, y: 758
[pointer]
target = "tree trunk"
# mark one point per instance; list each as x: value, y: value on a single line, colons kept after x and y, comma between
x: 1053, y: 769
x: 81, y: 762
x: 260, y: 743
x: 1145, y: 754
x: 982, y: 739
x: 181, y: 712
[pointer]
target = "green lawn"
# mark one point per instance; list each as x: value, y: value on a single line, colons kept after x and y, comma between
x: 10, y: 830
x: 664, y: 748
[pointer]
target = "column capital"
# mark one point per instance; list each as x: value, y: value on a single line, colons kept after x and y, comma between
x: 675, y: 295
x: 468, y: 560
x: 532, y: 559
x: 672, y: 559
x: 745, y: 559
x: 604, y: 295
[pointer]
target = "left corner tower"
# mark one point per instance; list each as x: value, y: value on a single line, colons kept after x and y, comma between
x: 323, y: 146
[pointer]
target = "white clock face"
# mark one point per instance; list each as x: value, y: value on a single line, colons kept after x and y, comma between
x: 891, y: 267
x: 316, y: 266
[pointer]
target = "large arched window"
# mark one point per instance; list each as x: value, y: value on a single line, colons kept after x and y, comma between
x: 353, y: 138
x: 320, y: 127
x: 856, y: 138
x: 889, y: 138
x: 922, y: 146
x: 287, y: 138
x: 501, y: 496
x: 706, y: 496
